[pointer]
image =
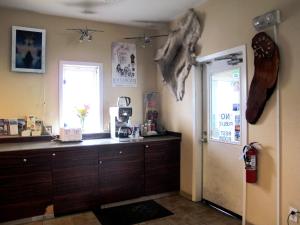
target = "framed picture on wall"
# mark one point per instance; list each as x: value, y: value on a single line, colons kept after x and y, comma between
x: 124, y: 65
x: 28, y: 50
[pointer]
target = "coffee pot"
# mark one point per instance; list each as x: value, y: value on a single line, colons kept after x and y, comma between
x: 123, y: 101
x: 124, y: 132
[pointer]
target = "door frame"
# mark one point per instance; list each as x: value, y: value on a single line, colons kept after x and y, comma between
x: 197, y: 82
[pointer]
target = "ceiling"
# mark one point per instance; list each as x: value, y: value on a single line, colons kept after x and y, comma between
x: 113, y: 11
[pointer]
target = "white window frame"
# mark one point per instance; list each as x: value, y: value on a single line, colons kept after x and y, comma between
x: 60, y: 88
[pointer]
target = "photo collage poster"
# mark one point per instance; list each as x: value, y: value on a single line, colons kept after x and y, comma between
x: 124, y: 69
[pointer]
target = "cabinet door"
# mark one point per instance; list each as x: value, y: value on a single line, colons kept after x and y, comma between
x: 121, y: 172
x: 75, y: 173
x: 25, y: 184
x: 162, y: 167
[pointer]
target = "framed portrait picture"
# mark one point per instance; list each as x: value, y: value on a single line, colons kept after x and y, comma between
x: 28, y: 50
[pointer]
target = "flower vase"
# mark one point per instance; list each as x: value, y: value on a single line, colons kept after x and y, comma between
x: 82, y: 123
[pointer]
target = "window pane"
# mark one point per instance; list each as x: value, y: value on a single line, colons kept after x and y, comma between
x: 81, y: 86
x: 225, y: 114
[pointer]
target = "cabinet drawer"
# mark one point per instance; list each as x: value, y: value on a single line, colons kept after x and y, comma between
x: 70, y: 157
x: 25, y: 159
x: 162, y: 155
x: 24, y: 168
x: 121, y: 160
x: 163, y: 146
x: 121, y: 151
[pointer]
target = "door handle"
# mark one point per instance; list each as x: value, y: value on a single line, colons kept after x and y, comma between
x: 204, y: 137
x: 203, y: 140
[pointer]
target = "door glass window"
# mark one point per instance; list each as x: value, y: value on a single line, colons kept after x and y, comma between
x: 225, y: 111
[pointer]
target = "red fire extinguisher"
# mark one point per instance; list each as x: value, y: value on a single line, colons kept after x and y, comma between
x: 250, y: 153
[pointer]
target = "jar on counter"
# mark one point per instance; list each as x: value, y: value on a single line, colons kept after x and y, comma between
x: 152, y: 126
x: 149, y: 125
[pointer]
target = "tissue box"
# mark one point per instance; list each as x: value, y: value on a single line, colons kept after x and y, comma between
x: 70, y: 134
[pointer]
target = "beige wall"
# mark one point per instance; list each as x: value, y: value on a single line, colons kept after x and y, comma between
x: 228, y: 24
x: 22, y: 94
x: 177, y: 116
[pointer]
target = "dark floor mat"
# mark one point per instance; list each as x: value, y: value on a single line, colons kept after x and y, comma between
x: 132, y: 213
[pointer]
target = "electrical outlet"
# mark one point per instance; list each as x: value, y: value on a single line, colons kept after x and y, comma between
x: 294, y: 218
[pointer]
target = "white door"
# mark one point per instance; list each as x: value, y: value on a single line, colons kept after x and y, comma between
x: 224, y: 130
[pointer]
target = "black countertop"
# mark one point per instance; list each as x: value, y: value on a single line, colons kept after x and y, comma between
x: 22, y: 146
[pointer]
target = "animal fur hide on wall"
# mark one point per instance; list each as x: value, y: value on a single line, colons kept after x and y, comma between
x: 177, y: 56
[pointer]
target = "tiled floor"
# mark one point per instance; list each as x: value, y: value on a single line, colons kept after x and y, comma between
x: 185, y: 213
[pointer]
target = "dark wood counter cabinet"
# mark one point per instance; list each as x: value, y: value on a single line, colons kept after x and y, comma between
x: 121, y: 173
x: 83, y: 176
x: 25, y: 184
x: 162, y: 167
x: 74, y: 178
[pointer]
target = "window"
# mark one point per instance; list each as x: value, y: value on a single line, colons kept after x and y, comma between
x: 225, y: 117
x: 81, y: 85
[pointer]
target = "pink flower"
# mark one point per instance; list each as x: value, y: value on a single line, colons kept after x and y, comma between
x: 86, y: 107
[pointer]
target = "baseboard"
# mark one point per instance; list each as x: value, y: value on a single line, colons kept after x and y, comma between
x: 141, y: 199
x: 186, y: 195
x: 29, y: 220
x: 221, y: 209
x: 48, y: 215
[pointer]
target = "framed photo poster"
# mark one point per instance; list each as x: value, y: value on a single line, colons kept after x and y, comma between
x: 28, y: 50
x: 124, y: 72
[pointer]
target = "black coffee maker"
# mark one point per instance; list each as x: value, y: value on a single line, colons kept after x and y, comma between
x: 119, y: 127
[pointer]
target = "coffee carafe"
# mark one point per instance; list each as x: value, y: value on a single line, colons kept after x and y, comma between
x: 124, y: 132
x: 123, y: 101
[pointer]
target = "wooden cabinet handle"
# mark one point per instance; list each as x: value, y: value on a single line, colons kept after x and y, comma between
x: 25, y: 160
